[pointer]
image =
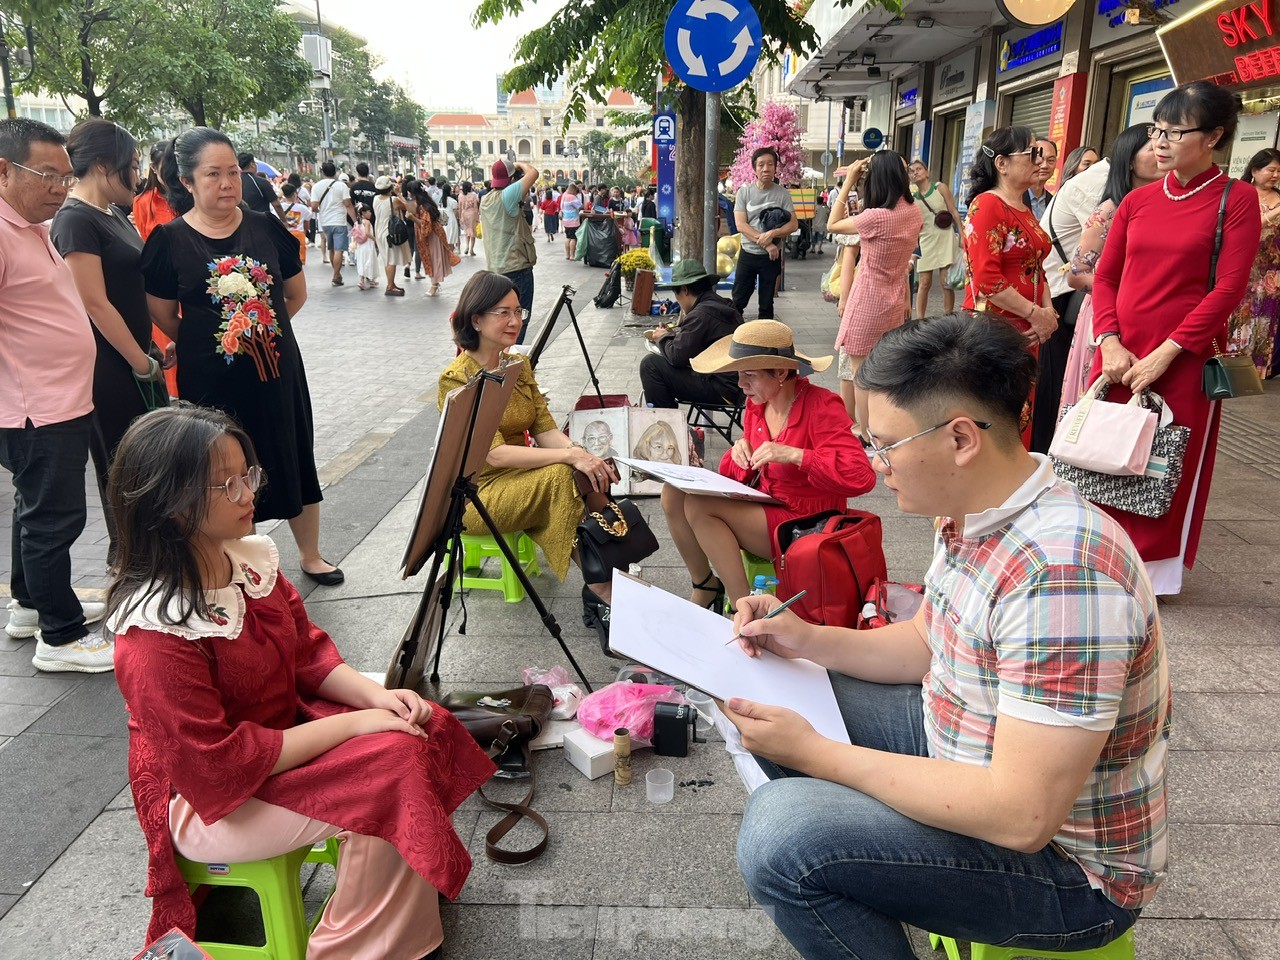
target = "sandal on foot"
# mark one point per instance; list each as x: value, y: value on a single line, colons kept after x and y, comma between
x: 718, y: 590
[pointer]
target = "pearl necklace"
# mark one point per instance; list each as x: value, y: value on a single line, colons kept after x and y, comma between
x: 90, y: 203
x: 1190, y: 193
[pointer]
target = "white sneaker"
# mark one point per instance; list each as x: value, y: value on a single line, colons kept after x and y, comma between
x: 93, y: 653
x: 23, y: 621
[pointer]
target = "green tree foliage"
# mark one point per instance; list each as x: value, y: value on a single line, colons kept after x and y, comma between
x: 597, y: 148
x: 230, y: 59
x: 464, y: 160
x: 101, y: 51
x: 596, y: 45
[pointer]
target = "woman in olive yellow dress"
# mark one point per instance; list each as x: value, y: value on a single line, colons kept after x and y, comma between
x: 524, y: 488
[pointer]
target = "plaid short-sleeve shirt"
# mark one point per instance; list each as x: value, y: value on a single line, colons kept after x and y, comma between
x: 1041, y: 610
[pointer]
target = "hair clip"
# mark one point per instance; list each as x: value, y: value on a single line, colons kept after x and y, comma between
x: 988, y: 151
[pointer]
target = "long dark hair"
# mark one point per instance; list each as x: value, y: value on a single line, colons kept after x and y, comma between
x: 887, y: 182
x: 424, y: 201
x: 1123, y: 153
x: 94, y: 141
x: 1071, y: 166
x: 1263, y: 158
x: 446, y: 192
x: 154, y: 182
x: 482, y: 292
x: 180, y: 159
x: 1003, y: 142
x: 158, y: 489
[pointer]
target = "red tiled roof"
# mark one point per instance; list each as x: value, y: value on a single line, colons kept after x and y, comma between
x: 457, y: 120
x: 525, y: 98
x: 620, y: 98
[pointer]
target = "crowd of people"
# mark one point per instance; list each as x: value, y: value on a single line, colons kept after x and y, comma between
x: 1024, y: 774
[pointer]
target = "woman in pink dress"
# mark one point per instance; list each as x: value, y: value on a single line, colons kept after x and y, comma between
x: 469, y: 216
x: 889, y: 229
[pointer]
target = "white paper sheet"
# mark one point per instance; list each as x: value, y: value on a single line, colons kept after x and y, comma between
x: 697, y: 480
x: 691, y: 643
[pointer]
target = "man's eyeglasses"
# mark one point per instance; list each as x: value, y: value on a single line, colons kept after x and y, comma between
x: 1172, y: 134
x: 882, y: 453
x: 234, y: 487
x: 50, y: 179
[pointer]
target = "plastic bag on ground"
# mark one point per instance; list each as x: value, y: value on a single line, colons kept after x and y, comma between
x: 567, y: 694
x: 629, y: 705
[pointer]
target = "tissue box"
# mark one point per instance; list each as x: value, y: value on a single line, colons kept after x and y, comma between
x: 590, y: 755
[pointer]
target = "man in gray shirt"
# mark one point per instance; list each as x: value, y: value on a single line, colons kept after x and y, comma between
x: 762, y: 239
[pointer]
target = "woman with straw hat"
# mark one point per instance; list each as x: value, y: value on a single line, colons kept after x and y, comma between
x: 797, y: 446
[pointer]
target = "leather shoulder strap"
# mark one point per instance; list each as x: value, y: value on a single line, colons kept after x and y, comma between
x: 516, y: 811
x: 1217, y: 235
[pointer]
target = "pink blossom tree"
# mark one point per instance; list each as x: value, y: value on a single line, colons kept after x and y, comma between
x: 776, y: 127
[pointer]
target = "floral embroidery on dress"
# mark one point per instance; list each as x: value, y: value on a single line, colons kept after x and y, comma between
x: 241, y: 286
x: 252, y: 576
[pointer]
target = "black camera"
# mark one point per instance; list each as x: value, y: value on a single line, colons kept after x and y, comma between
x: 671, y: 729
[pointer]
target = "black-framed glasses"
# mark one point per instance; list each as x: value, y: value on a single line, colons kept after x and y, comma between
x: 50, y: 179
x: 235, y: 487
x: 882, y: 453
x: 1172, y: 134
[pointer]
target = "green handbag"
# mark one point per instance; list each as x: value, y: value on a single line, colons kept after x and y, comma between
x: 1229, y: 375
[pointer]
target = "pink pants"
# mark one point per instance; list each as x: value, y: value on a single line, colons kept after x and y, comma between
x: 381, y: 908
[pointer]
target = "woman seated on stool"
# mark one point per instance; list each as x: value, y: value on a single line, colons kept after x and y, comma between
x: 248, y: 735
x: 523, y: 487
x: 797, y: 446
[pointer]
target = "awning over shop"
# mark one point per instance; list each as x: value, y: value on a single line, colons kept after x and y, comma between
x: 861, y: 48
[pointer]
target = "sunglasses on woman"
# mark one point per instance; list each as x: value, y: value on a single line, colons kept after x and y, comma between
x: 1035, y: 153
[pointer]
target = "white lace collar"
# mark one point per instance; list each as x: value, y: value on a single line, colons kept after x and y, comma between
x: 255, y: 564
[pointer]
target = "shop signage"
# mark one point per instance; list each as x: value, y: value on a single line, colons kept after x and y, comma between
x: 1110, y: 22
x: 1143, y: 98
x: 1066, y: 117
x: 872, y: 138
x: 1256, y: 131
x: 978, y: 119
x: 1031, y: 48
x: 920, y: 132
x: 955, y: 77
x: 1230, y: 43
x: 1034, y: 13
x: 908, y: 98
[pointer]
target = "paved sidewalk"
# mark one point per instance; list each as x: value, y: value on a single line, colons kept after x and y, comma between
x: 623, y: 878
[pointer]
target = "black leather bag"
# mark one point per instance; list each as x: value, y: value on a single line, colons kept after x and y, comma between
x: 503, y: 724
x: 612, y: 535
x: 1227, y: 375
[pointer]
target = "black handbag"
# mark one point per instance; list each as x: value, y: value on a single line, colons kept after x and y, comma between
x: 612, y: 534
x: 503, y: 724
x: 1227, y: 375
x: 942, y: 219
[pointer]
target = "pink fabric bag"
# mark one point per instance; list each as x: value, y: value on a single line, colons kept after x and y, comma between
x: 1111, y: 438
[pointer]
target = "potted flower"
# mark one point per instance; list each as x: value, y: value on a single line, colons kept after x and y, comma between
x: 630, y: 262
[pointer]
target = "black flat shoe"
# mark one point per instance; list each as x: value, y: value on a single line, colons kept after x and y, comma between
x: 330, y: 578
x: 717, y: 601
x: 595, y: 613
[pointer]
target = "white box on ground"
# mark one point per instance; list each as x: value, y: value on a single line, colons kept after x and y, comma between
x: 589, y: 754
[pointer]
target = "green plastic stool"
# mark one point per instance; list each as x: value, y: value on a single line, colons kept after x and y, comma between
x: 755, y: 566
x: 279, y: 891
x: 1120, y: 948
x: 476, y: 547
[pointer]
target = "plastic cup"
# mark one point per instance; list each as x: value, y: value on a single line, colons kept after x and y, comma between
x: 706, y: 710
x: 660, y: 785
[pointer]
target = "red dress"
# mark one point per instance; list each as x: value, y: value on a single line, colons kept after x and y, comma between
x: 1151, y: 285
x: 150, y: 210
x: 1005, y: 248
x: 208, y: 701
x: 834, y: 468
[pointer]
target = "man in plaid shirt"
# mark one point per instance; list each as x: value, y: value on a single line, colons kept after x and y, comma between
x: 1016, y: 795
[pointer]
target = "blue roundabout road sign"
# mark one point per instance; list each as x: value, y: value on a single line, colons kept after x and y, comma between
x: 713, y: 45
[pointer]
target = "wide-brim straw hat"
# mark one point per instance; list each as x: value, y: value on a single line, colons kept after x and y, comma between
x: 757, y: 345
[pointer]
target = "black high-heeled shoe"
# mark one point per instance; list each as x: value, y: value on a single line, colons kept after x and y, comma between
x: 595, y: 613
x: 717, y: 601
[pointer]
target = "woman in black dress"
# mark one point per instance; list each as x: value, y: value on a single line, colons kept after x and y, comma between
x: 104, y: 252
x: 237, y: 278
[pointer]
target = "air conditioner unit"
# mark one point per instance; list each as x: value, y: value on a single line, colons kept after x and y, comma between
x: 317, y: 51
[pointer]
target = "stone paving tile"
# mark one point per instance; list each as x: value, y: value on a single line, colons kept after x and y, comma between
x: 1216, y: 871
x: 1222, y: 787
x: 1183, y: 940
x: 691, y: 933
x: 528, y: 932
x: 1254, y: 939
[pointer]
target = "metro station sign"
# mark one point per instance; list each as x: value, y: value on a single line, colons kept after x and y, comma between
x: 1227, y: 42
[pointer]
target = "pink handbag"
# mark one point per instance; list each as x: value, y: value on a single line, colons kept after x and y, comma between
x: 1111, y: 438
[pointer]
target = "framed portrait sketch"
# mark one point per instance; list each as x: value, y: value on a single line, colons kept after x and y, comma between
x: 604, y: 433
x: 657, y: 434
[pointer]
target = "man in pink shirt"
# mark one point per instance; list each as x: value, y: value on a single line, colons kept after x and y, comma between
x: 46, y: 382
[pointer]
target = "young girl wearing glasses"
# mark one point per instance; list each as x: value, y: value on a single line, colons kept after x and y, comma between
x: 248, y: 735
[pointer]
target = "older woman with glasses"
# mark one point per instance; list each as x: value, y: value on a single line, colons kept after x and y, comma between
x: 1158, y: 309
x: 1004, y: 243
x: 524, y: 488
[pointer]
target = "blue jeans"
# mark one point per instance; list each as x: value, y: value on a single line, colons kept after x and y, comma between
x: 840, y: 872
